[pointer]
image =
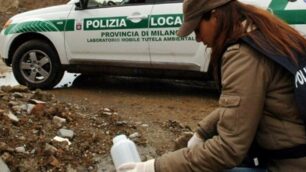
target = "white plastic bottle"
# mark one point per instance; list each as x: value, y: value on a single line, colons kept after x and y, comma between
x: 123, y: 151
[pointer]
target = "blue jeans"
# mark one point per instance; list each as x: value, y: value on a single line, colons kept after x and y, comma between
x: 237, y: 169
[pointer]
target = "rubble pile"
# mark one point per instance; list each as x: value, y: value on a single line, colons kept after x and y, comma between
x: 39, y: 133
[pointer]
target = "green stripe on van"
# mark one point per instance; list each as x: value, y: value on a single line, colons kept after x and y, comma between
x: 109, y: 23
x: 41, y: 26
x: 292, y: 16
x: 289, y: 16
x: 122, y: 22
x: 278, y: 4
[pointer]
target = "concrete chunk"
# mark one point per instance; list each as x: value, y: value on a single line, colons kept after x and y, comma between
x: 65, y: 133
x: 3, y: 166
x: 12, y: 116
x: 59, y: 121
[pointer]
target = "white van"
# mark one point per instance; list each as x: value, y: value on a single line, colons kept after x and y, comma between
x: 120, y: 37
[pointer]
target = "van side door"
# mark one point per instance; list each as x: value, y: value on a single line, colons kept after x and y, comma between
x: 109, y: 32
x: 168, y: 50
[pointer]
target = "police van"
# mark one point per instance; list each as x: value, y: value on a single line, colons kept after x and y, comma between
x: 118, y: 37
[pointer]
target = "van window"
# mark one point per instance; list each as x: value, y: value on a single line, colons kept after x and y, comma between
x: 113, y: 3
x: 167, y: 1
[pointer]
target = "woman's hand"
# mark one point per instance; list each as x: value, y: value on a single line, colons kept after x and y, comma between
x: 195, y: 140
x: 147, y: 166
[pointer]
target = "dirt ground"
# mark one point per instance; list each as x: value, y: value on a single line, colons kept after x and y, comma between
x: 3, y: 68
x: 153, y: 102
x: 152, y: 112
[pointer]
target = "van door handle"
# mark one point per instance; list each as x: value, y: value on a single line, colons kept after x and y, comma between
x: 137, y: 17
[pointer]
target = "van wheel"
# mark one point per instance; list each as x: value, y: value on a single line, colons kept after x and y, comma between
x: 36, y: 65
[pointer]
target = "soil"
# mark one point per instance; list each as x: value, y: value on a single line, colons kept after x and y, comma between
x: 154, y: 113
x: 3, y: 68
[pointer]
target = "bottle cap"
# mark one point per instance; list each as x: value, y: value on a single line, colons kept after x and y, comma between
x: 119, y: 138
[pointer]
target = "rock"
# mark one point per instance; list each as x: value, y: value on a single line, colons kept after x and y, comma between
x: 2, y: 93
x: 53, y: 161
x: 106, y: 110
x: 7, y: 157
x: 17, y: 95
x: 34, y: 101
x: 19, y: 88
x: 5, y: 98
x: 119, y: 123
x: 12, y: 117
x: 50, y: 149
x: 70, y: 169
x: 24, y: 107
x: 38, y: 109
x: 41, y: 95
x: 107, y: 113
x: 58, y: 121
x: 13, y: 103
x: 17, y: 109
x: 52, y: 111
x: 60, y: 139
x: 3, y: 166
x: 65, y: 133
x: 22, y: 138
x: 20, y: 149
x: 33, y: 151
x: 82, y: 169
x: 145, y: 125
x: 134, y: 135
x: 30, y: 108
x: 6, y: 88
x: 3, y: 146
x: 1, y: 112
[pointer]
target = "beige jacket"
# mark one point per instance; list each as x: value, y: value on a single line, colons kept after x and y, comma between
x: 256, y: 102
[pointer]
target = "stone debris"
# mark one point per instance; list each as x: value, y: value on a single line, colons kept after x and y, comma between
x: 58, y: 121
x: 12, y: 117
x: 60, y: 139
x: 3, y: 166
x: 144, y: 125
x: 40, y: 133
x: 120, y: 123
x: 20, y: 149
x: 17, y: 95
x: 134, y: 135
x: 107, y: 113
x: 33, y: 101
x: 106, y: 110
x: 29, y: 108
x: 38, y: 109
x: 65, y: 133
x: 6, y: 157
x: 54, y: 161
x: 50, y: 149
